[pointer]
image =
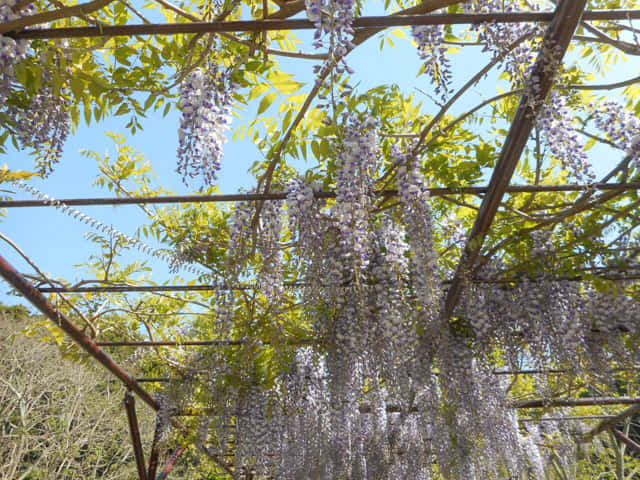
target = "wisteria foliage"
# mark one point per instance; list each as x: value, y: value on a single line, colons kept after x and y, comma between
x: 391, y: 389
x: 42, y: 119
x: 388, y: 388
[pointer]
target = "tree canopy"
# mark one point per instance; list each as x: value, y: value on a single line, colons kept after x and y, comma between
x: 359, y: 307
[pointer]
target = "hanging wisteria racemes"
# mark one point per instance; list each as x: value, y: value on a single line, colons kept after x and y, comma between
x: 430, y: 40
x: 206, y: 100
x: 388, y: 388
x: 11, y: 51
x: 363, y: 403
x: 42, y: 119
x: 391, y: 389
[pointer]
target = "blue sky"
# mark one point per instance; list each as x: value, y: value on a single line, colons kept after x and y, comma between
x: 57, y: 242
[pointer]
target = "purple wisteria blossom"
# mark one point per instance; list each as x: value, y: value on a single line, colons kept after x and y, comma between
x: 555, y: 122
x: 358, y: 153
x: 514, y: 41
x: 333, y: 19
x: 11, y: 51
x: 45, y: 125
x: 431, y: 48
x: 206, y: 99
x: 270, y: 278
x: 621, y: 126
x: 239, y: 235
x: 418, y: 221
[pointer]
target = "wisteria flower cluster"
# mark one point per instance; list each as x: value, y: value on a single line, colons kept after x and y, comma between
x: 358, y: 153
x: 45, y: 125
x: 239, y: 234
x: 270, y: 278
x: 554, y: 321
x: 620, y: 126
x: 206, y: 100
x: 514, y: 41
x: 432, y: 49
x: 264, y: 238
x: 11, y: 51
x: 414, y: 195
x: 333, y: 18
x: 302, y: 209
x: 555, y: 122
x: 306, y: 222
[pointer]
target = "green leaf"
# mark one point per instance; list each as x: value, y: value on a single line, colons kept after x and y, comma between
x: 266, y: 102
x: 483, y: 153
x: 77, y: 87
x: 258, y: 90
x: 398, y: 32
x: 288, y: 86
x: 87, y: 112
x: 297, y: 99
x: 123, y: 109
x: 315, y: 148
x: 150, y: 100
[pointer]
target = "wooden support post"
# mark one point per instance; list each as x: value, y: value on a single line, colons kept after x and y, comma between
x: 130, y: 406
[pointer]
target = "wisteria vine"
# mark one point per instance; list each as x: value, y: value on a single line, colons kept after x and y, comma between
x: 173, y: 260
x: 206, y: 101
x: 391, y: 389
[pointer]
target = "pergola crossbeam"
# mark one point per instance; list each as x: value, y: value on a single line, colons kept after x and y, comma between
x: 304, y: 24
x: 259, y: 197
x: 554, y: 46
x: 244, y: 287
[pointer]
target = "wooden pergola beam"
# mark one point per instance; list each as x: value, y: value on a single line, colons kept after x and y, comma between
x: 259, y: 197
x: 243, y: 287
x: 554, y: 46
x: 304, y: 24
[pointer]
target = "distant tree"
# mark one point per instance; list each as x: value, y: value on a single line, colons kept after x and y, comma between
x: 58, y: 419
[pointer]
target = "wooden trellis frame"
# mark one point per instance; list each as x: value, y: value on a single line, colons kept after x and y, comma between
x: 260, y: 197
x: 560, y: 32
